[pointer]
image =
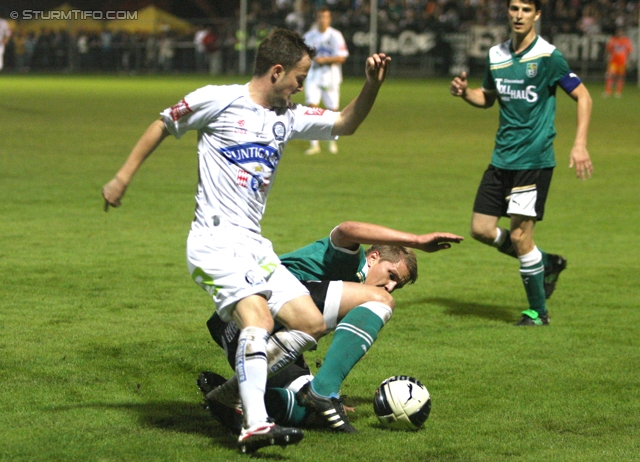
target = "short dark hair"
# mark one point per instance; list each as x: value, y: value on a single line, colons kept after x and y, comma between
x: 396, y: 253
x: 281, y: 46
x: 536, y: 3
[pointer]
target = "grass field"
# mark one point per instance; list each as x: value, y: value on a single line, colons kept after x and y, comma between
x: 102, y: 331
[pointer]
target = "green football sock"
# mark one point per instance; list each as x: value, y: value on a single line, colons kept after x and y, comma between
x: 353, y: 337
x: 545, y: 258
x: 283, y: 408
x: 532, y: 274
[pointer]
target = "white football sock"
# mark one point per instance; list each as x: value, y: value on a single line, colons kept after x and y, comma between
x: 251, y: 370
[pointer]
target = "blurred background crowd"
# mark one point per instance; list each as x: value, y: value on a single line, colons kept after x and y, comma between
x: 167, y: 37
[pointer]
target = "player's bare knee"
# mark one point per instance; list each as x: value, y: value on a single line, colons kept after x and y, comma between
x: 384, y: 297
x: 518, y: 237
x: 522, y: 242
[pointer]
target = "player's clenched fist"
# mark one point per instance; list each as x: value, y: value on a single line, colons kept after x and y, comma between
x: 113, y: 192
x: 459, y: 85
x: 376, y: 67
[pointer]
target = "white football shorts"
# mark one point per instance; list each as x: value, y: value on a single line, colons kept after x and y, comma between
x: 231, y: 264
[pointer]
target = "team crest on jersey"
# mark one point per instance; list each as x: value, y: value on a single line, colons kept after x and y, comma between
x: 279, y: 131
x: 532, y: 70
x: 254, y: 278
x: 314, y: 111
x: 179, y: 110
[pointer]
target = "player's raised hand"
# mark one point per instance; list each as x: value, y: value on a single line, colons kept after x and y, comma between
x: 459, y: 85
x: 113, y: 192
x: 437, y: 241
x: 376, y: 68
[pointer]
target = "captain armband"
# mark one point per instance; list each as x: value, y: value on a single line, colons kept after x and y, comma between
x: 569, y: 82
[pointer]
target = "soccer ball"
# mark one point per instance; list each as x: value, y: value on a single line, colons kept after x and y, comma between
x: 402, y: 403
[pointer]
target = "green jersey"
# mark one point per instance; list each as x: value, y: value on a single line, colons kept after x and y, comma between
x: 526, y: 86
x: 322, y: 261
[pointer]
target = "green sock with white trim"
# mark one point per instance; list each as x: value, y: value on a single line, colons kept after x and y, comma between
x: 353, y: 337
x: 545, y: 257
x: 283, y: 408
x: 532, y: 274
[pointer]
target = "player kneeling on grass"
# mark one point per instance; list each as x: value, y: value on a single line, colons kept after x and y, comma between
x: 352, y: 289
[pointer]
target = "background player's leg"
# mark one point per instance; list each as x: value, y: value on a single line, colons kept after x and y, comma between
x: 620, y: 85
x: 531, y: 269
x: 331, y: 100
x: 313, y: 96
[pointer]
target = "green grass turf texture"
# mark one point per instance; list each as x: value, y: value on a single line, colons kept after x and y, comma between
x: 102, y: 331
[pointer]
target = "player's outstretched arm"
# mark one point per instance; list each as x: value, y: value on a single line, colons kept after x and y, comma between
x: 322, y: 60
x: 148, y: 142
x: 351, y: 233
x: 474, y: 96
x: 579, y: 155
x: 357, y: 110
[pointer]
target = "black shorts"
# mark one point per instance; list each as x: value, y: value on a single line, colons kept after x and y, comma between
x: 226, y: 336
x: 497, y: 186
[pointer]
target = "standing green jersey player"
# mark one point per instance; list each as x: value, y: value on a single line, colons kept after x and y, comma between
x: 523, y: 75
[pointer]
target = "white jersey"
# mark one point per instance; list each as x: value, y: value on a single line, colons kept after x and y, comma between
x: 5, y: 31
x: 329, y: 43
x: 239, y: 147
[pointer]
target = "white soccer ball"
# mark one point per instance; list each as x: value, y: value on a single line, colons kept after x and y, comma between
x: 402, y: 403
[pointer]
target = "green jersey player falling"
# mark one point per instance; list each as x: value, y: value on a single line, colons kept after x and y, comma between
x: 523, y: 74
x: 352, y: 288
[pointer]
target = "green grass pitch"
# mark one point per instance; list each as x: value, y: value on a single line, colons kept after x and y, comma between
x: 102, y: 331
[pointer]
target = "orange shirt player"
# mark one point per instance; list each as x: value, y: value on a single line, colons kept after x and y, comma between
x: 618, y: 50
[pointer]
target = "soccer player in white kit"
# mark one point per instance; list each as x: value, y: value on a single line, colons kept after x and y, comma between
x: 5, y: 34
x: 325, y: 75
x: 242, y: 132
